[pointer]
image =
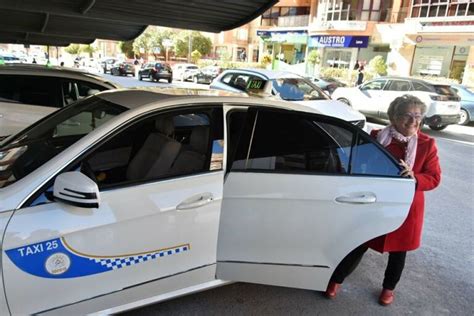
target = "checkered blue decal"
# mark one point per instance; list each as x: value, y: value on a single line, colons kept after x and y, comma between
x: 56, y: 260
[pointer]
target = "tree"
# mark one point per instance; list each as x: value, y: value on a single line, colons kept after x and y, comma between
x: 73, y: 49
x: 88, y: 49
x: 152, y: 39
x: 127, y: 48
x: 195, y: 56
x: 199, y: 42
x: 313, y: 57
x: 378, y: 65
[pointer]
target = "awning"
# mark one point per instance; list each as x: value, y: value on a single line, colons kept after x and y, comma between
x: 60, y: 22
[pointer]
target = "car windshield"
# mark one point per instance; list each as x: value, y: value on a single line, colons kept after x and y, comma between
x: 39, y: 143
x: 297, y: 89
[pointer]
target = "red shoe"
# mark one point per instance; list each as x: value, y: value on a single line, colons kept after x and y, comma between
x: 332, y: 290
x: 386, y: 297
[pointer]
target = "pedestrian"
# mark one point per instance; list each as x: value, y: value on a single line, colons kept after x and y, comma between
x: 34, y: 60
x: 360, y: 76
x: 357, y: 65
x: 418, y: 156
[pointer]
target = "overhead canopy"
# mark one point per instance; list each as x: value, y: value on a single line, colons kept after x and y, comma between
x: 61, y: 22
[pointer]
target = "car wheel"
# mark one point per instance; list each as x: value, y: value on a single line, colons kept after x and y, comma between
x: 464, y: 120
x: 140, y: 77
x: 344, y: 100
x: 195, y: 79
x: 438, y: 127
x: 170, y: 80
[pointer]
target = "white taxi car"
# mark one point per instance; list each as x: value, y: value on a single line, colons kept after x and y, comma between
x: 284, y: 85
x: 30, y: 92
x: 162, y: 194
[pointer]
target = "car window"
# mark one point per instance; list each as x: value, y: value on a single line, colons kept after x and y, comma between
x: 74, y: 90
x: 418, y: 86
x: 157, y: 147
x: 227, y: 78
x: 369, y: 159
x: 285, y: 142
x: 374, y: 85
x: 398, y: 85
x: 50, y: 136
x: 33, y: 90
x: 297, y: 89
x: 444, y: 90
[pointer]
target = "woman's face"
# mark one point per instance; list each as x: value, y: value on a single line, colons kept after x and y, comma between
x: 408, y: 122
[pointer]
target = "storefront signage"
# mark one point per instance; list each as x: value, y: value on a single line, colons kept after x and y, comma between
x: 339, y: 41
x: 293, y: 36
x: 339, y: 26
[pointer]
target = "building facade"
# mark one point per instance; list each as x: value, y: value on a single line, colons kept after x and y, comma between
x: 415, y: 37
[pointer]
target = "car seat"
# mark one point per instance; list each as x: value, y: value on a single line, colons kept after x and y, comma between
x: 193, y: 156
x: 155, y: 158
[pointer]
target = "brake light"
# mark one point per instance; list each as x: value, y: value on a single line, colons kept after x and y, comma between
x: 436, y: 97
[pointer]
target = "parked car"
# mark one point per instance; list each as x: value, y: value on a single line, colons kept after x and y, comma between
x: 161, y: 195
x: 327, y: 84
x: 467, y: 103
x: 30, y: 92
x: 123, y: 69
x: 206, y: 74
x: 185, y: 71
x: 9, y: 58
x: 373, y: 98
x: 108, y: 63
x: 156, y: 71
x: 287, y: 86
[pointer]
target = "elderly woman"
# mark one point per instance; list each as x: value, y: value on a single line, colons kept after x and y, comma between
x: 418, y: 158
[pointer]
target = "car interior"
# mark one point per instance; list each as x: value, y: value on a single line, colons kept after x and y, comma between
x: 158, y: 147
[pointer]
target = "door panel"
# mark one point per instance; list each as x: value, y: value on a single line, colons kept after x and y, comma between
x: 136, y: 235
x: 274, y: 226
x: 303, y: 190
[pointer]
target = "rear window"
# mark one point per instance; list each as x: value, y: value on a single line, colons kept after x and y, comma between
x: 192, y: 67
x: 158, y: 65
x: 444, y: 90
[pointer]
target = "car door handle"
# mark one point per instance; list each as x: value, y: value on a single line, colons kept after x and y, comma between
x: 357, y: 198
x: 195, y: 201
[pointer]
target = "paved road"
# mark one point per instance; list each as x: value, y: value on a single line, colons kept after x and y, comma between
x: 438, y: 279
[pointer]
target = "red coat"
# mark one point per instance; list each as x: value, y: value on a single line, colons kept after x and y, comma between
x: 428, y: 176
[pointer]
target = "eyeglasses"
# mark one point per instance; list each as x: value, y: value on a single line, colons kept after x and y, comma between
x: 407, y: 116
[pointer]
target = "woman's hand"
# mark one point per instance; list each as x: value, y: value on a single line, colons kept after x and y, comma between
x: 406, y: 172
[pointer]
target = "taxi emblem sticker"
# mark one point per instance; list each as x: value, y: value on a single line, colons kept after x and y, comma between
x: 57, y: 263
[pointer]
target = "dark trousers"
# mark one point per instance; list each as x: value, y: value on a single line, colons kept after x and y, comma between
x: 393, y: 272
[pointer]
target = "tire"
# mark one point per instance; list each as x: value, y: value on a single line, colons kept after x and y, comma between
x: 344, y: 100
x: 140, y: 77
x: 170, y: 80
x: 438, y: 127
x: 465, y: 119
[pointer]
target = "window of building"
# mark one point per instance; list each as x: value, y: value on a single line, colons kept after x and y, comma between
x: 272, y: 15
x: 363, y: 10
x: 442, y: 8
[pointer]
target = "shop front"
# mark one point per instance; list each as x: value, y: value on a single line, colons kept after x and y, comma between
x: 442, y: 55
x: 286, y: 47
x: 338, y: 51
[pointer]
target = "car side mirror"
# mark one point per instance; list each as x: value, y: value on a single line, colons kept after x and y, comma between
x: 76, y: 189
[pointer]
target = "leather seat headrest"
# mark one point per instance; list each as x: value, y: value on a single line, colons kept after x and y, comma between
x: 165, y: 125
